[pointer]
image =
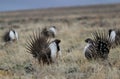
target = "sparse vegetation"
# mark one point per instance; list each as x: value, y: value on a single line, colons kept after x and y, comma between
x: 16, y: 63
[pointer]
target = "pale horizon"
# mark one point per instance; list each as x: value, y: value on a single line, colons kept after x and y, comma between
x: 13, y: 5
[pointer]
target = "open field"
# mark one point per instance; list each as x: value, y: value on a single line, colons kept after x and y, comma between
x: 74, y: 25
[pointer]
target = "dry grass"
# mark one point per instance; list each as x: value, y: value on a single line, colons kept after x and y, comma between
x: 16, y: 63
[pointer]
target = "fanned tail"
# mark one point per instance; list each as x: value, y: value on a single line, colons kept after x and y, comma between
x: 37, y: 45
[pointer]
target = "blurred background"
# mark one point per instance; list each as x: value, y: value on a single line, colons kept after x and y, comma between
x: 11, y: 5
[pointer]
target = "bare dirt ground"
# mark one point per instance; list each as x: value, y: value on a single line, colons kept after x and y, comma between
x: 74, y: 25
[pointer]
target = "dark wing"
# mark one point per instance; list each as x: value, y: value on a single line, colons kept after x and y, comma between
x: 6, y: 37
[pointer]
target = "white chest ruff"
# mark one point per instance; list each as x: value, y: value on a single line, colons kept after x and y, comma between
x: 13, y: 35
x: 86, y: 48
x: 112, y: 36
x: 53, y: 30
x: 53, y: 48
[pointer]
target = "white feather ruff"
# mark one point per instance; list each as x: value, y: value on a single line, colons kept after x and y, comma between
x: 53, y: 48
x: 86, y: 47
x: 13, y: 35
x: 53, y: 30
x: 112, y: 36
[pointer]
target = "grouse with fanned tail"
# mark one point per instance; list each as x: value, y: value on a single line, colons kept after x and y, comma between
x: 42, y: 48
x: 98, y: 47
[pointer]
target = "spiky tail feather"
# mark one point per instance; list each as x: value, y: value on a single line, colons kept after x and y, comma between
x: 37, y: 45
x: 102, y: 44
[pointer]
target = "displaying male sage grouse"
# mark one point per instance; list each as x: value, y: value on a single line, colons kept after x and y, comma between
x: 49, y: 32
x: 114, y: 35
x: 98, y: 47
x: 11, y: 35
x: 42, y: 49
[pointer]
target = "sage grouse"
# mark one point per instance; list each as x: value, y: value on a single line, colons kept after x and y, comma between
x: 98, y: 47
x: 114, y: 35
x: 11, y: 35
x: 42, y: 48
x: 49, y: 32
